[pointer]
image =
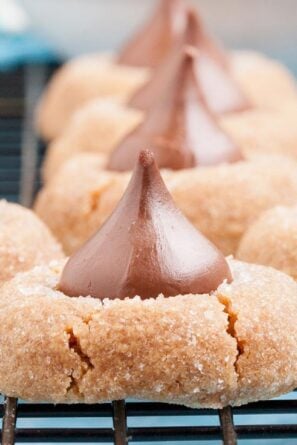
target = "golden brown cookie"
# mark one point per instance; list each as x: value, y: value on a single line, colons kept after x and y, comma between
x: 96, y: 128
x: 272, y: 240
x: 24, y: 241
x: 79, y: 81
x: 232, y: 347
x: 222, y: 201
x: 267, y: 82
x: 264, y: 131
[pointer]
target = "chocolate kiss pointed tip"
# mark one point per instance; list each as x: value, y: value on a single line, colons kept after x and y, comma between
x: 195, y: 34
x: 153, y: 42
x: 146, y: 158
x: 193, y: 18
x: 190, y: 52
x: 193, y: 24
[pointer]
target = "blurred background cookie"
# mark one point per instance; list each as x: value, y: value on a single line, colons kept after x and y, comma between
x: 265, y: 82
x: 24, y: 241
x: 272, y: 240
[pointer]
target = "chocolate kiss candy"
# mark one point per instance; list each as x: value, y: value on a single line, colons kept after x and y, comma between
x: 153, y: 42
x: 220, y: 90
x: 179, y: 129
x: 146, y: 248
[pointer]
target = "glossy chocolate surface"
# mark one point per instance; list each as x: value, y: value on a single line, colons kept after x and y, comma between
x: 179, y: 128
x: 150, y: 45
x: 146, y: 248
x: 219, y: 88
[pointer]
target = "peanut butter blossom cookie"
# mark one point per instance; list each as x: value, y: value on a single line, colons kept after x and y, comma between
x: 101, y: 125
x: 265, y: 82
x: 24, y: 241
x: 210, y: 178
x: 148, y: 308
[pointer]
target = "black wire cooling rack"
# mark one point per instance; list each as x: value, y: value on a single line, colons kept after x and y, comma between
x: 20, y: 157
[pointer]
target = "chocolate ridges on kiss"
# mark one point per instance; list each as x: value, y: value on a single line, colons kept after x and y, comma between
x: 153, y: 42
x: 179, y: 128
x: 220, y: 90
x: 146, y: 248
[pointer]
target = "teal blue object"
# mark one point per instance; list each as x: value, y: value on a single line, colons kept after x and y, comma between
x: 17, y: 49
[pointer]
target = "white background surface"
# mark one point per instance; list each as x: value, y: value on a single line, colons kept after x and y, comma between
x: 75, y: 26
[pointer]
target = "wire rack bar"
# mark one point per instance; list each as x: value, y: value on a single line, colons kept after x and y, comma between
x: 151, y: 434
x: 120, y: 422
x: 9, y: 421
x: 211, y: 433
x: 143, y: 409
x: 34, y: 83
x: 228, y: 431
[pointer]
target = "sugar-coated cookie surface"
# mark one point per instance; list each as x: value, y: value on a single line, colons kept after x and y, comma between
x: 96, y: 128
x: 231, y: 347
x: 268, y: 132
x: 79, y: 81
x: 24, y: 241
x: 267, y: 82
x: 221, y: 201
x: 272, y: 240
x: 262, y: 302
